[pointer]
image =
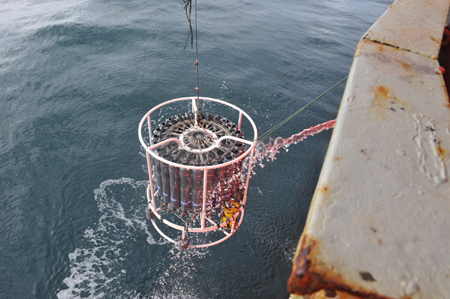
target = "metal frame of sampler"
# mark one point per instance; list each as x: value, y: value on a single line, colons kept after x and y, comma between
x: 203, y: 216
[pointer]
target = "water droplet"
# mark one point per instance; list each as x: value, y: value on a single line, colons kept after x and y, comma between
x: 269, y: 151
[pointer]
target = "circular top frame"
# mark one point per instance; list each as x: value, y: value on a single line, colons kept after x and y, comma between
x: 149, y: 148
x: 193, y: 131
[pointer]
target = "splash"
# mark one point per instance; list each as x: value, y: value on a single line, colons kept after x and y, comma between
x: 114, y: 259
x: 269, y: 151
x: 101, y: 260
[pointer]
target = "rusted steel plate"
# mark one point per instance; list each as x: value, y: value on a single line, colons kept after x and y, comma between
x: 413, y: 25
x: 324, y: 295
x: 379, y: 222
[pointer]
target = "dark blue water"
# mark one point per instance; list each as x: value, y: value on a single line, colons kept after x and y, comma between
x: 76, y: 76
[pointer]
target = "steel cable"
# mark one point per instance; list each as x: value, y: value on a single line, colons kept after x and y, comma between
x: 286, y: 120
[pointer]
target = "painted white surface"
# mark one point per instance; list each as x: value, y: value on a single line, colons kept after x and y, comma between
x: 382, y: 203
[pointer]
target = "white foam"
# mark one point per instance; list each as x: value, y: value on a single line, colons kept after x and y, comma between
x: 97, y: 263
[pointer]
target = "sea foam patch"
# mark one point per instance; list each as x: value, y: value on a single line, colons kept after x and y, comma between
x: 99, y: 264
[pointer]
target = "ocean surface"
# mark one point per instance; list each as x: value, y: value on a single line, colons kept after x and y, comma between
x: 76, y: 77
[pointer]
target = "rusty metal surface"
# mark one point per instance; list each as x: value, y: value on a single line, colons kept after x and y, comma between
x: 324, y: 295
x: 379, y: 222
x: 413, y: 25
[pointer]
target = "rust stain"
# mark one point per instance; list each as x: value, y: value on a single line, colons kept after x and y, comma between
x: 358, y: 48
x: 435, y: 39
x: 337, y: 294
x: 343, y: 295
x: 381, y: 96
x: 323, y: 189
x: 310, y: 274
x: 375, y: 231
x: 385, y: 100
x: 336, y: 158
x: 441, y: 152
x: 405, y: 65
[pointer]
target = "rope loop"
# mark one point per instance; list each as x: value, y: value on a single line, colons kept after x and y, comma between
x: 188, y: 9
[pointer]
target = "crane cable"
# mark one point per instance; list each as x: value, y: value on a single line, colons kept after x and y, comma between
x: 286, y: 120
x: 196, y: 56
x: 188, y: 9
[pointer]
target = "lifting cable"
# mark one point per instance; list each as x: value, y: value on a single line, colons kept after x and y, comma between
x: 188, y: 9
x: 265, y: 135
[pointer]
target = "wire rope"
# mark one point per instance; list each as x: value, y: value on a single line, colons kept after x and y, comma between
x: 196, y: 55
x: 286, y: 120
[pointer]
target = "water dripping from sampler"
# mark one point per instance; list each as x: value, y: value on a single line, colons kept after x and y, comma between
x: 268, y: 152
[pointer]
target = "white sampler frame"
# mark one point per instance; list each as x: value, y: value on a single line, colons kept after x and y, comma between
x: 206, y: 224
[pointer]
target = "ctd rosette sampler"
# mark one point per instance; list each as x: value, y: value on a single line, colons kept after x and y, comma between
x: 198, y: 171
